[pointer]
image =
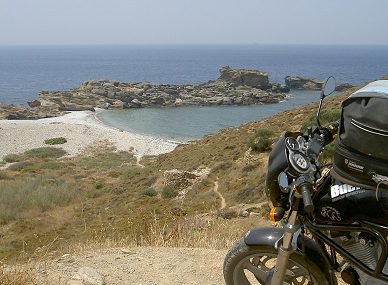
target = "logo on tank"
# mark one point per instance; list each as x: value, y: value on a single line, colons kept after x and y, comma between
x: 331, y: 213
x: 338, y: 192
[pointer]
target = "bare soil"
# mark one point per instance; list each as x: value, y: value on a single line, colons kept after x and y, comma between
x: 140, y: 266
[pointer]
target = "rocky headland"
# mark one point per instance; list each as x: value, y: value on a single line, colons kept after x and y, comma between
x: 233, y: 87
x: 305, y: 83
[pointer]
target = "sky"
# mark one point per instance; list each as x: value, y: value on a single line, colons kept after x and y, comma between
x: 84, y: 22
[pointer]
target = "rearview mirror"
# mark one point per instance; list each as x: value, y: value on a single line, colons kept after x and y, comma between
x: 328, y: 86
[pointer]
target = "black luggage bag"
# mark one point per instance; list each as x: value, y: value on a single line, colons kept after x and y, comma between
x: 361, y: 147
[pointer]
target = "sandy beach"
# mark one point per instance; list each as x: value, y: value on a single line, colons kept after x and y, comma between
x: 81, y: 129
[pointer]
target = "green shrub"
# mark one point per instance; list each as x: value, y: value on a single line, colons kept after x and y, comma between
x: 54, y: 141
x: 109, y: 161
x: 98, y: 190
x: 13, y: 158
x: 130, y: 173
x: 260, y: 144
x: 3, y: 176
x: 264, y: 133
x: 19, y: 166
x: 150, y: 192
x: 261, y: 141
x: 45, y: 152
x: 169, y: 193
x: 51, y: 165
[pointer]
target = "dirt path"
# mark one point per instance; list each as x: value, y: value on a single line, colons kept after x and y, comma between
x: 138, y: 159
x: 139, y: 266
x: 215, y: 189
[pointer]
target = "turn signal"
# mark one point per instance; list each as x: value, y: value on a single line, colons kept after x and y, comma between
x: 276, y: 214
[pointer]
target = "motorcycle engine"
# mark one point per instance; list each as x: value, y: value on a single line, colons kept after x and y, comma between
x: 366, y: 249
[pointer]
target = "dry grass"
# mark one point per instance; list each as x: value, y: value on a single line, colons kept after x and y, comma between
x: 200, y: 232
x: 17, y: 276
x: 109, y: 205
x: 35, y: 193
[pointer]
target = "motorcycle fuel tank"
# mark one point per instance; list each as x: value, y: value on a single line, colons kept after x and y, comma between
x: 345, y: 204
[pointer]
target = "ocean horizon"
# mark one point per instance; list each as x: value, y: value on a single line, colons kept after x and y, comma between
x: 27, y: 70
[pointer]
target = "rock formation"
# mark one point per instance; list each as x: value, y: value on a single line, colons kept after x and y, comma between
x: 233, y: 87
x: 19, y: 112
x: 242, y: 77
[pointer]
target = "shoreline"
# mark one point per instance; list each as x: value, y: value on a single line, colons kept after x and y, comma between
x: 103, y: 123
x: 82, y: 129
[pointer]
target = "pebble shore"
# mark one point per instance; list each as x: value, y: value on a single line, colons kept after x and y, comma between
x: 81, y: 129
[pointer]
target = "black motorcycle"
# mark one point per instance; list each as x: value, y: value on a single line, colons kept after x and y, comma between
x: 334, y: 217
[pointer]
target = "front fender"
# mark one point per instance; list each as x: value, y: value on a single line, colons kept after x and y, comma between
x: 266, y: 236
x: 269, y: 236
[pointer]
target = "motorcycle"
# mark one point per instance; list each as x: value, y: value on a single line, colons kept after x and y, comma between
x: 329, y: 228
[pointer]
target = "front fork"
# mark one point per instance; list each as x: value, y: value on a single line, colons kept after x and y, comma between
x: 286, y: 248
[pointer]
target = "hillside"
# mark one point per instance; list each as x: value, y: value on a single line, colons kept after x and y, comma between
x: 195, y: 196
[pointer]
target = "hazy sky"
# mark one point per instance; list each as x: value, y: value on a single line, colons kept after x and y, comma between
x: 193, y: 22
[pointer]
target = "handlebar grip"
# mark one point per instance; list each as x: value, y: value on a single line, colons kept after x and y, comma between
x: 331, y: 131
x: 307, y: 200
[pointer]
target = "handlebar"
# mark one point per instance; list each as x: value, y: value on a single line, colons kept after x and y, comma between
x: 306, y: 195
x: 321, y: 137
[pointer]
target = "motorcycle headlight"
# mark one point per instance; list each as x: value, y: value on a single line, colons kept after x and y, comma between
x: 277, y: 163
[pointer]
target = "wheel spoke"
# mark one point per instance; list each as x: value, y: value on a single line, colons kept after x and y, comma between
x: 296, y: 272
x: 297, y: 276
x: 260, y: 274
x: 247, y: 265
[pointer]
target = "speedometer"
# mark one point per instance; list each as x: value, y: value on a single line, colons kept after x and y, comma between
x: 292, y: 144
x: 299, y: 162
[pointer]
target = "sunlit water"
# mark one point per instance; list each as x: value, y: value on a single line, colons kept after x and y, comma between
x: 187, y: 123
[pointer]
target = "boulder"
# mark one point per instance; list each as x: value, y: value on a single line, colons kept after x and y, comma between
x: 34, y: 103
x: 243, y: 77
x: 279, y: 88
x: 135, y: 103
x: 100, y: 91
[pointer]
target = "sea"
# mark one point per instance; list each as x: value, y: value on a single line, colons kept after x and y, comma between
x: 26, y: 70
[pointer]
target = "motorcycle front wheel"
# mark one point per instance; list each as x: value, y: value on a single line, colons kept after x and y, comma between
x: 248, y: 265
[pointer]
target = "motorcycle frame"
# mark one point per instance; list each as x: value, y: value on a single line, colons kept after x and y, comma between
x: 377, y: 231
x: 318, y: 230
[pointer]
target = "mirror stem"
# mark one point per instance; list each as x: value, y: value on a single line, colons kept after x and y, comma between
x: 319, y: 112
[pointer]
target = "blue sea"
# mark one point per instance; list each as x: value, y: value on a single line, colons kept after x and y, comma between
x: 26, y: 70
